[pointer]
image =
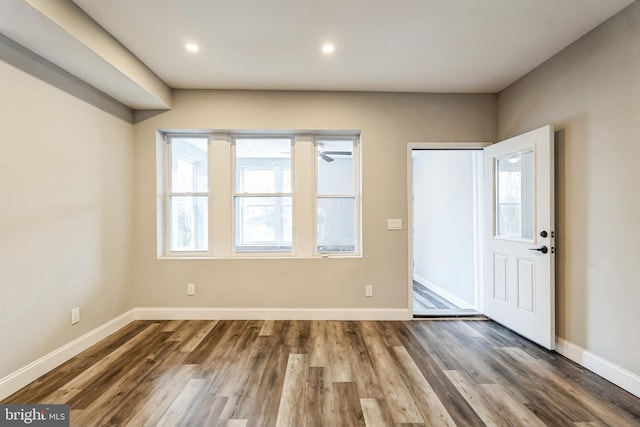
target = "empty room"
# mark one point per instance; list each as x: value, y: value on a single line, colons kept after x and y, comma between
x: 337, y: 213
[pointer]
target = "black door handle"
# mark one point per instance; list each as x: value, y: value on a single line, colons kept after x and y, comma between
x: 542, y: 249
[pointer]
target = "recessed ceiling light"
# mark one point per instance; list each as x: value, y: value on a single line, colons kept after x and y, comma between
x: 328, y: 48
x: 192, y: 47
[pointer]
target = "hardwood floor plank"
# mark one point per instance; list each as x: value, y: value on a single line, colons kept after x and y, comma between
x: 160, y: 399
x: 337, y: 348
x: 271, y: 386
x: 180, y: 406
x: 474, y: 396
x: 201, y: 331
x: 208, y: 412
x: 39, y: 390
x: 319, y: 344
x: 297, y: 336
x: 186, y: 330
x: 551, y: 406
x: 348, y: 411
x: 387, y: 331
x: 172, y: 325
x: 602, y: 411
x: 516, y: 412
x: 433, y: 411
x: 363, y: 371
x: 267, y: 328
x: 375, y: 415
x: 410, y: 334
x: 97, y: 370
x: 132, y: 403
x: 328, y: 408
x: 99, y: 382
x: 316, y: 396
x: 292, y: 403
x: 218, y: 334
x: 101, y: 406
x: 398, y: 396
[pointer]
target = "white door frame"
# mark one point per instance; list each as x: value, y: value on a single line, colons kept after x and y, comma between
x: 479, y: 274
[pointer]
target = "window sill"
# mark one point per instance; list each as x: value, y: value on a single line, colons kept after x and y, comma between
x: 261, y: 257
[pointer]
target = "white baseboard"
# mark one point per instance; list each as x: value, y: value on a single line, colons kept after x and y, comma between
x: 212, y: 313
x: 34, y: 370
x: 607, y: 370
x: 443, y: 293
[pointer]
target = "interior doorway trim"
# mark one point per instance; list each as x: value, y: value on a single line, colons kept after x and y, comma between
x: 411, y: 146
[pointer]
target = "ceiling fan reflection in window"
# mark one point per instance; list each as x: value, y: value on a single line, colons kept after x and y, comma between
x: 328, y: 155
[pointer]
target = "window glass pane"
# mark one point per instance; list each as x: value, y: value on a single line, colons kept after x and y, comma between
x: 336, y: 224
x: 189, y: 165
x: 335, y: 167
x: 515, y: 196
x: 258, y: 180
x: 189, y: 224
x: 263, y: 224
x: 263, y: 165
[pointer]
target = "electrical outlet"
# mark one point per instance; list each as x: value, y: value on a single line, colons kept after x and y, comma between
x: 75, y: 315
x: 191, y: 288
x: 368, y: 291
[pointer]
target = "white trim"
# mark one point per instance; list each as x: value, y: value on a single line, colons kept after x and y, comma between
x: 437, y: 146
x: 34, y: 370
x: 602, y: 367
x: 443, y: 293
x: 223, y: 313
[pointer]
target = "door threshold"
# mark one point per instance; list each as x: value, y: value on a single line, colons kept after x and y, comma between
x: 461, y: 317
x: 430, y: 314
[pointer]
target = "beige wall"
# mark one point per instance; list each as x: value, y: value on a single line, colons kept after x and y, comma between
x: 65, y: 219
x: 387, y: 121
x: 591, y: 93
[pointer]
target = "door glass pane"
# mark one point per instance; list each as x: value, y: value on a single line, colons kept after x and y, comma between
x: 336, y: 224
x: 515, y: 210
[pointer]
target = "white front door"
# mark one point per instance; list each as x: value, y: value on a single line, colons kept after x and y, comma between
x: 519, y: 235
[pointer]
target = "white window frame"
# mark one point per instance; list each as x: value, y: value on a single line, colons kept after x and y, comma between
x: 168, y: 194
x: 357, y: 196
x: 235, y: 195
x: 222, y: 193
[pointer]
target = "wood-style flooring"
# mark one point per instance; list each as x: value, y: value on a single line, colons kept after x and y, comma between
x: 429, y: 304
x: 327, y: 373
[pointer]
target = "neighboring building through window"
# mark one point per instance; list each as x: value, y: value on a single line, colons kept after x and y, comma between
x: 242, y: 194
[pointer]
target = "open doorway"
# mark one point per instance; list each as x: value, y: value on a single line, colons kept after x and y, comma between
x: 446, y: 267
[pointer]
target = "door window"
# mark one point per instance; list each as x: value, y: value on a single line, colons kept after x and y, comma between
x: 514, y: 210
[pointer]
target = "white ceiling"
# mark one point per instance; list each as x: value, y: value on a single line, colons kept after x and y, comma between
x: 381, y: 45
